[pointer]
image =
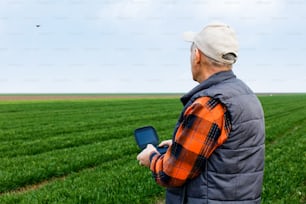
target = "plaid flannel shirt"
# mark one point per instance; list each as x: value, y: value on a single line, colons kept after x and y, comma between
x: 206, y: 125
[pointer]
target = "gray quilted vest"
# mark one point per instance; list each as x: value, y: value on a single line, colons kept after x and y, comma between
x: 234, y: 172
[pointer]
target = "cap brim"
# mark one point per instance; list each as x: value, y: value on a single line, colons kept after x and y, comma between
x: 189, y: 36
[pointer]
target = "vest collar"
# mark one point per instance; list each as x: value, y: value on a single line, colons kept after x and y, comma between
x: 211, y: 81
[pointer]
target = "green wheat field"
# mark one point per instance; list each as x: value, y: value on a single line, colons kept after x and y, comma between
x: 83, y: 150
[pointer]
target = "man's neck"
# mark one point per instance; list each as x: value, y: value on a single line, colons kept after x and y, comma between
x: 208, y: 72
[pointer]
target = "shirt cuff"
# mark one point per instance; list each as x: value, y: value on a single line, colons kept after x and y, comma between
x: 152, y: 155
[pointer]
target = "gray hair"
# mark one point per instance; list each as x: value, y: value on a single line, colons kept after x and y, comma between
x: 213, y: 62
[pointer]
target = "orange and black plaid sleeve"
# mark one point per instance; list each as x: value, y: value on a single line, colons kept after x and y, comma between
x: 206, y: 125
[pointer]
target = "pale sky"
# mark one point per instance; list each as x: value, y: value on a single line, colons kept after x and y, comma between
x: 136, y: 46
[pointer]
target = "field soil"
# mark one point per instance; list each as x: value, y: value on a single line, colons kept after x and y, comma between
x: 83, y: 96
x: 49, y: 97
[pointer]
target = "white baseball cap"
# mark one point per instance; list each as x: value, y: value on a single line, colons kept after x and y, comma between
x: 216, y: 40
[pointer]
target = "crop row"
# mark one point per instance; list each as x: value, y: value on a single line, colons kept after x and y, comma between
x: 44, y: 143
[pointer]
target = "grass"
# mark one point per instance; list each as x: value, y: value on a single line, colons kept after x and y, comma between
x: 83, y: 150
x: 285, y: 175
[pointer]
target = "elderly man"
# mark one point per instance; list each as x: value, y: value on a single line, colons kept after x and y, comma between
x: 216, y: 154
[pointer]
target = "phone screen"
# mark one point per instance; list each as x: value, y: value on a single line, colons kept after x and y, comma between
x: 146, y: 135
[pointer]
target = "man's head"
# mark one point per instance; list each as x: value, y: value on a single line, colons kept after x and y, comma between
x: 213, y: 49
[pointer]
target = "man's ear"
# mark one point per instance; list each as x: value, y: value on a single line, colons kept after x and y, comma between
x: 197, y: 56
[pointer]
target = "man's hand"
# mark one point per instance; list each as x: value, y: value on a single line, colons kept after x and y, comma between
x: 165, y: 143
x: 144, y: 156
